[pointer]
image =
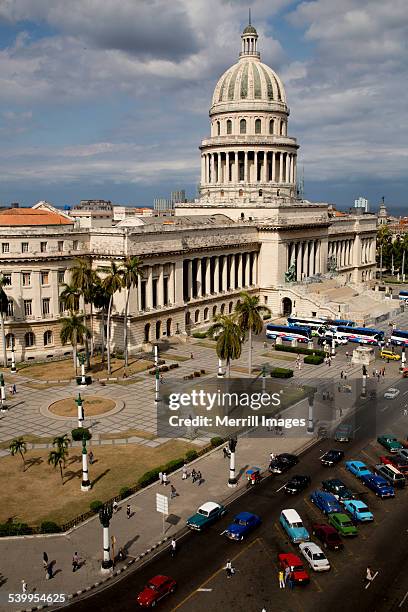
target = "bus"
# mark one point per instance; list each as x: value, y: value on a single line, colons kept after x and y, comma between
x: 362, y: 335
x: 399, y: 337
x: 403, y: 296
x: 288, y: 332
x: 312, y: 322
x: 344, y: 322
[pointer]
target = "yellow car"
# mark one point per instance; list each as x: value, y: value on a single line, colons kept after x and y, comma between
x: 385, y: 354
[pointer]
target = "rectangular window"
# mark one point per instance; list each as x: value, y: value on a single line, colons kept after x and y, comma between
x: 7, y: 278
x: 75, y: 245
x: 61, y: 277
x: 28, y: 308
x: 26, y: 279
x: 5, y: 247
x: 43, y: 247
x: 166, y: 291
x: 46, y: 306
x: 24, y: 247
x: 10, y: 308
x: 60, y: 245
x: 45, y: 278
x: 61, y: 307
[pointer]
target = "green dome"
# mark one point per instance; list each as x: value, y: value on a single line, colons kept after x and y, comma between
x: 250, y: 30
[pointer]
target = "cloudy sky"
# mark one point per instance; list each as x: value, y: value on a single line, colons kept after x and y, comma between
x: 109, y: 98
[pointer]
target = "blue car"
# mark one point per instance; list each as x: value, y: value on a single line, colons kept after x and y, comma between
x: 378, y: 485
x: 358, y: 468
x: 243, y: 524
x: 326, y: 502
x: 358, y: 510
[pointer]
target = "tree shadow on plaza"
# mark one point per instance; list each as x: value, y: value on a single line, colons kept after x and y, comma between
x: 3, y: 580
x: 74, y: 459
x: 70, y: 475
x: 33, y: 461
x: 98, y: 478
x: 129, y: 543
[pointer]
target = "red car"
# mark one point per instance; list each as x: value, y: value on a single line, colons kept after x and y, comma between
x: 328, y: 535
x: 398, y: 462
x: 157, y: 588
x: 300, y: 574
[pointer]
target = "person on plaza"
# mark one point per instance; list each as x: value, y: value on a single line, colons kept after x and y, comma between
x: 121, y: 554
x: 50, y: 573
x: 91, y: 457
x: 383, y: 372
x: 226, y: 452
x: 161, y: 477
x: 191, y: 356
x: 173, y: 547
x: 14, y: 389
x: 75, y: 562
x: 128, y: 511
x: 165, y: 479
x: 281, y: 579
x: 24, y: 586
x: 229, y: 569
x: 369, y: 575
x: 185, y: 473
x: 173, y: 492
x: 287, y: 573
x: 291, y: 580
x: 45, y: 560
x: 199, y: 477
x: 115, y: 506
x: 161, y: 378
x: 342, y: 374
x: 193, y: 475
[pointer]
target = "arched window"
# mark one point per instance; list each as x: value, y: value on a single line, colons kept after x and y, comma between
x: 48, y: 337
x: 272, y: 126
x: 10, y: 341
x: 214, y: 311
x: 196, y: 316
x: 257, y: 126
x: 260, y: 192
x: 240, y: 192
x: 230, y: 307
x: 229, y: 126
x: 29, y: 339
x: 147, y: 332
x: 158, y: 330
x: 205, y: 314
x: 222, y: 308
x: 168, y: 327
x: 282, y: 128
x: 218, y: 128
x: 242, y: 126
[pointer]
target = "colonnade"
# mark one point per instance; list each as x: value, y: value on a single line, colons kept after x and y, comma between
x: 342, y: 251
x: 306, y: 255
x: 255, y: 166
x: 367, y: 250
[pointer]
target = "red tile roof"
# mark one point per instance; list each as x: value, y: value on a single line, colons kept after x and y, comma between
x: 30, y: 216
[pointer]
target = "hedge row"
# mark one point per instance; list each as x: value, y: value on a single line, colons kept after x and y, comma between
x: 281, y: 373
x: 314, y: 359
x: 199, y: 334
x: 299, y: 349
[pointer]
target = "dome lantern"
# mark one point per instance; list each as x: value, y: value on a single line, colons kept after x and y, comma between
x: 249, y: 39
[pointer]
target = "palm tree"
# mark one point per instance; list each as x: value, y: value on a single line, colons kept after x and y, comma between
x: 61, y: 442
x: 18, y: 445
x: 73, y: 330
x: 3, y: 311
x: 84, y: 278
x: 131, y: 272
x: 112, y: 282
x: 57, y: 458
x: 69, y: 297
x: 249, y: 318
x: 101, y: 301
x: 229, y: 336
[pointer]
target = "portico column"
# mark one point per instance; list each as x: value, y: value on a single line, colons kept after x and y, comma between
x: 212, y: 168
x: 224, y: 272
x: 219, y: 168
x: 298, y: 258
x: 273, y: 167
x: 227, y: 168
x: 216, y: 274
x: 318, y: 265
x: 247, y: 270
x: 265, y: 167
x: 149, y: 287
x: 207, y: 276
x: 305, y: 244
x: 280, y: 167
x: 199, y: 282
x: 170, y: 286
x: 239, y: 270
x: 246, y: 167
x: 232, y: 272
x: 255, y: 269
x: 189, y: 278
x: 311, y: 258
x: 256, y: 166
x: 160, y: 287
x: 202, y: 169
x: 178, y: 281
x: 236, y: 167
x: 287, y: 168
x: 139, y: 293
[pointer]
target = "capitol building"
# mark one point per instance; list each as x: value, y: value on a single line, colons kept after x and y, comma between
x: 249, y: 229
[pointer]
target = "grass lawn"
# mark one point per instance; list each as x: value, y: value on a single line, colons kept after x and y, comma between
x: 283, y: 357
x: 173, y: 357
x: 38, y: 494
x: 63, y: 370
x: 30, y: 439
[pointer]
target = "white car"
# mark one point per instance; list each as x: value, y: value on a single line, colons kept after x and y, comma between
x: 314, y: 556
x: 391, y: 393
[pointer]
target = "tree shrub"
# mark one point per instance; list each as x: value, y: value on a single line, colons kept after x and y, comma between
x: 281, y: 373
x: 79, y: 432
x: 95, y: 505
x: 299, y: 349
x: 174, y: 464
x: 125, y: 492
x: 172, y: 366
x: 216, y: 441
x: 14, y: 529
x: 314, y: 359
x: 191, y: 455
x: 49, y: 527
x: 199, y: 334
x: 150, y: 476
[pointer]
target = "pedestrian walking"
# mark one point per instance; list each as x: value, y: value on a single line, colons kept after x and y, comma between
x: 191, y: 356
x: 193, y: 475
x: 265, y: 345
x: 24, y: 586
x: 281, y: 579
x: 50, y: 573
x: 272, y: 457
x: 165, y: 479
x: 75, y: 562
x: 184, y: 474
x: 91, y: 457
x: 369, y: 575
x: 173, y: 492
x: 45, y: 560
x: 173, y: 547
x: 226, y: 452
x: 14, y: 389
x: 161, y: 477
x: 199, y: 477
x: 229, y: 569
x: 128, y: 511
x: 345, y: 376
x: 383, y: 372
x: 161, y: 378
x: 342, y: 374
x: 329, y: 361
x: 287, y: 573
x: 115, y: 506
x: 291, y: 580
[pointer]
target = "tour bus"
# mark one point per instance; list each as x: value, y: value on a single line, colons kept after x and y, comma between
x: 362, y: 335
x: 344, y: 322
x: 319, y: 325
x: 286, y: 332
x: 311, y: 322
x: 399, y: 337
x: 403, y: 295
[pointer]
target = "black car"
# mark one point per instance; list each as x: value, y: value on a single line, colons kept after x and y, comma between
x: 332, y: 457
x: 337, y: 488
x: 282, y: 462
x: 297, y: 484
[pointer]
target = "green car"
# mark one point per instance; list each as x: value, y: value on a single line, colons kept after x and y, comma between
x: 343, y: 524
x: 205, y: 516
x: 390, y: 443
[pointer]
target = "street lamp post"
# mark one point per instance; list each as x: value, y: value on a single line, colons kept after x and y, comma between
x: 81, y: 415
x: 221, y: 371
x: 2, y: 394
x: 105, y: 515
x: 13, y: 368
x: 157, y: 375
x: 403, y: 357
x: 232, y: 481
x: 333, y: 347
x: 310, y: 421
x: 81, y: 359
x: 364, y: 387
x: 85, y: 484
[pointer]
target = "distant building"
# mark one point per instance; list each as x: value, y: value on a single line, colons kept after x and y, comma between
x: 178, y: 197
x: 162, y: 204
x: 362, y: 203
x: 125, y: 212
x: 93, y: 213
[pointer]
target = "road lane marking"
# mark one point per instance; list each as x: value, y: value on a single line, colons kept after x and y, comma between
x: 204, y: 590
x: 213, y: 575
x: 357, y: 428
x: 401, y: 603
x: 369, y: 583
x: 282, y: 487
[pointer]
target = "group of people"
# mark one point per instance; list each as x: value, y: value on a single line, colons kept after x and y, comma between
x: 286, y: 577
x: 48, y: 566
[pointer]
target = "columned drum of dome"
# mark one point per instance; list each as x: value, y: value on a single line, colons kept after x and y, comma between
x: 249, y: 155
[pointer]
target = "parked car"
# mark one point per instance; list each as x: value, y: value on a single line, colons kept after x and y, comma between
x: 403, y: 452
x: 205, y: 516
x: 400, y: 463
x: 343, y: 524
x: 358, y: 510
x: 314, y: 556
x: 378, y: 485
x: 358, y: 468
x: 332, y: 457
x: 343, y: 433
x: 327, y: 535
x: 243, y: 524
x: 282, y: 463
x: 391, y: 393
x: 289, y: 559
x: 390, y: 442
x: 337, y: 488
x: 297, y: 484
x: 391, y: 474
x: 387, y: 354
x: 293, y: 525
x: 326, y: 502
x: 156, y: 589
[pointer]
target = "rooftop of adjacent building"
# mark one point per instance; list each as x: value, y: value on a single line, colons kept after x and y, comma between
x: 32, y: 216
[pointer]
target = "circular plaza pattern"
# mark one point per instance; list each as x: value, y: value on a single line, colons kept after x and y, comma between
x: 94, y: 405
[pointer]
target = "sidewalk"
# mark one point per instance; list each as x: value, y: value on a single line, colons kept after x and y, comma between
x: 138, y: 533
